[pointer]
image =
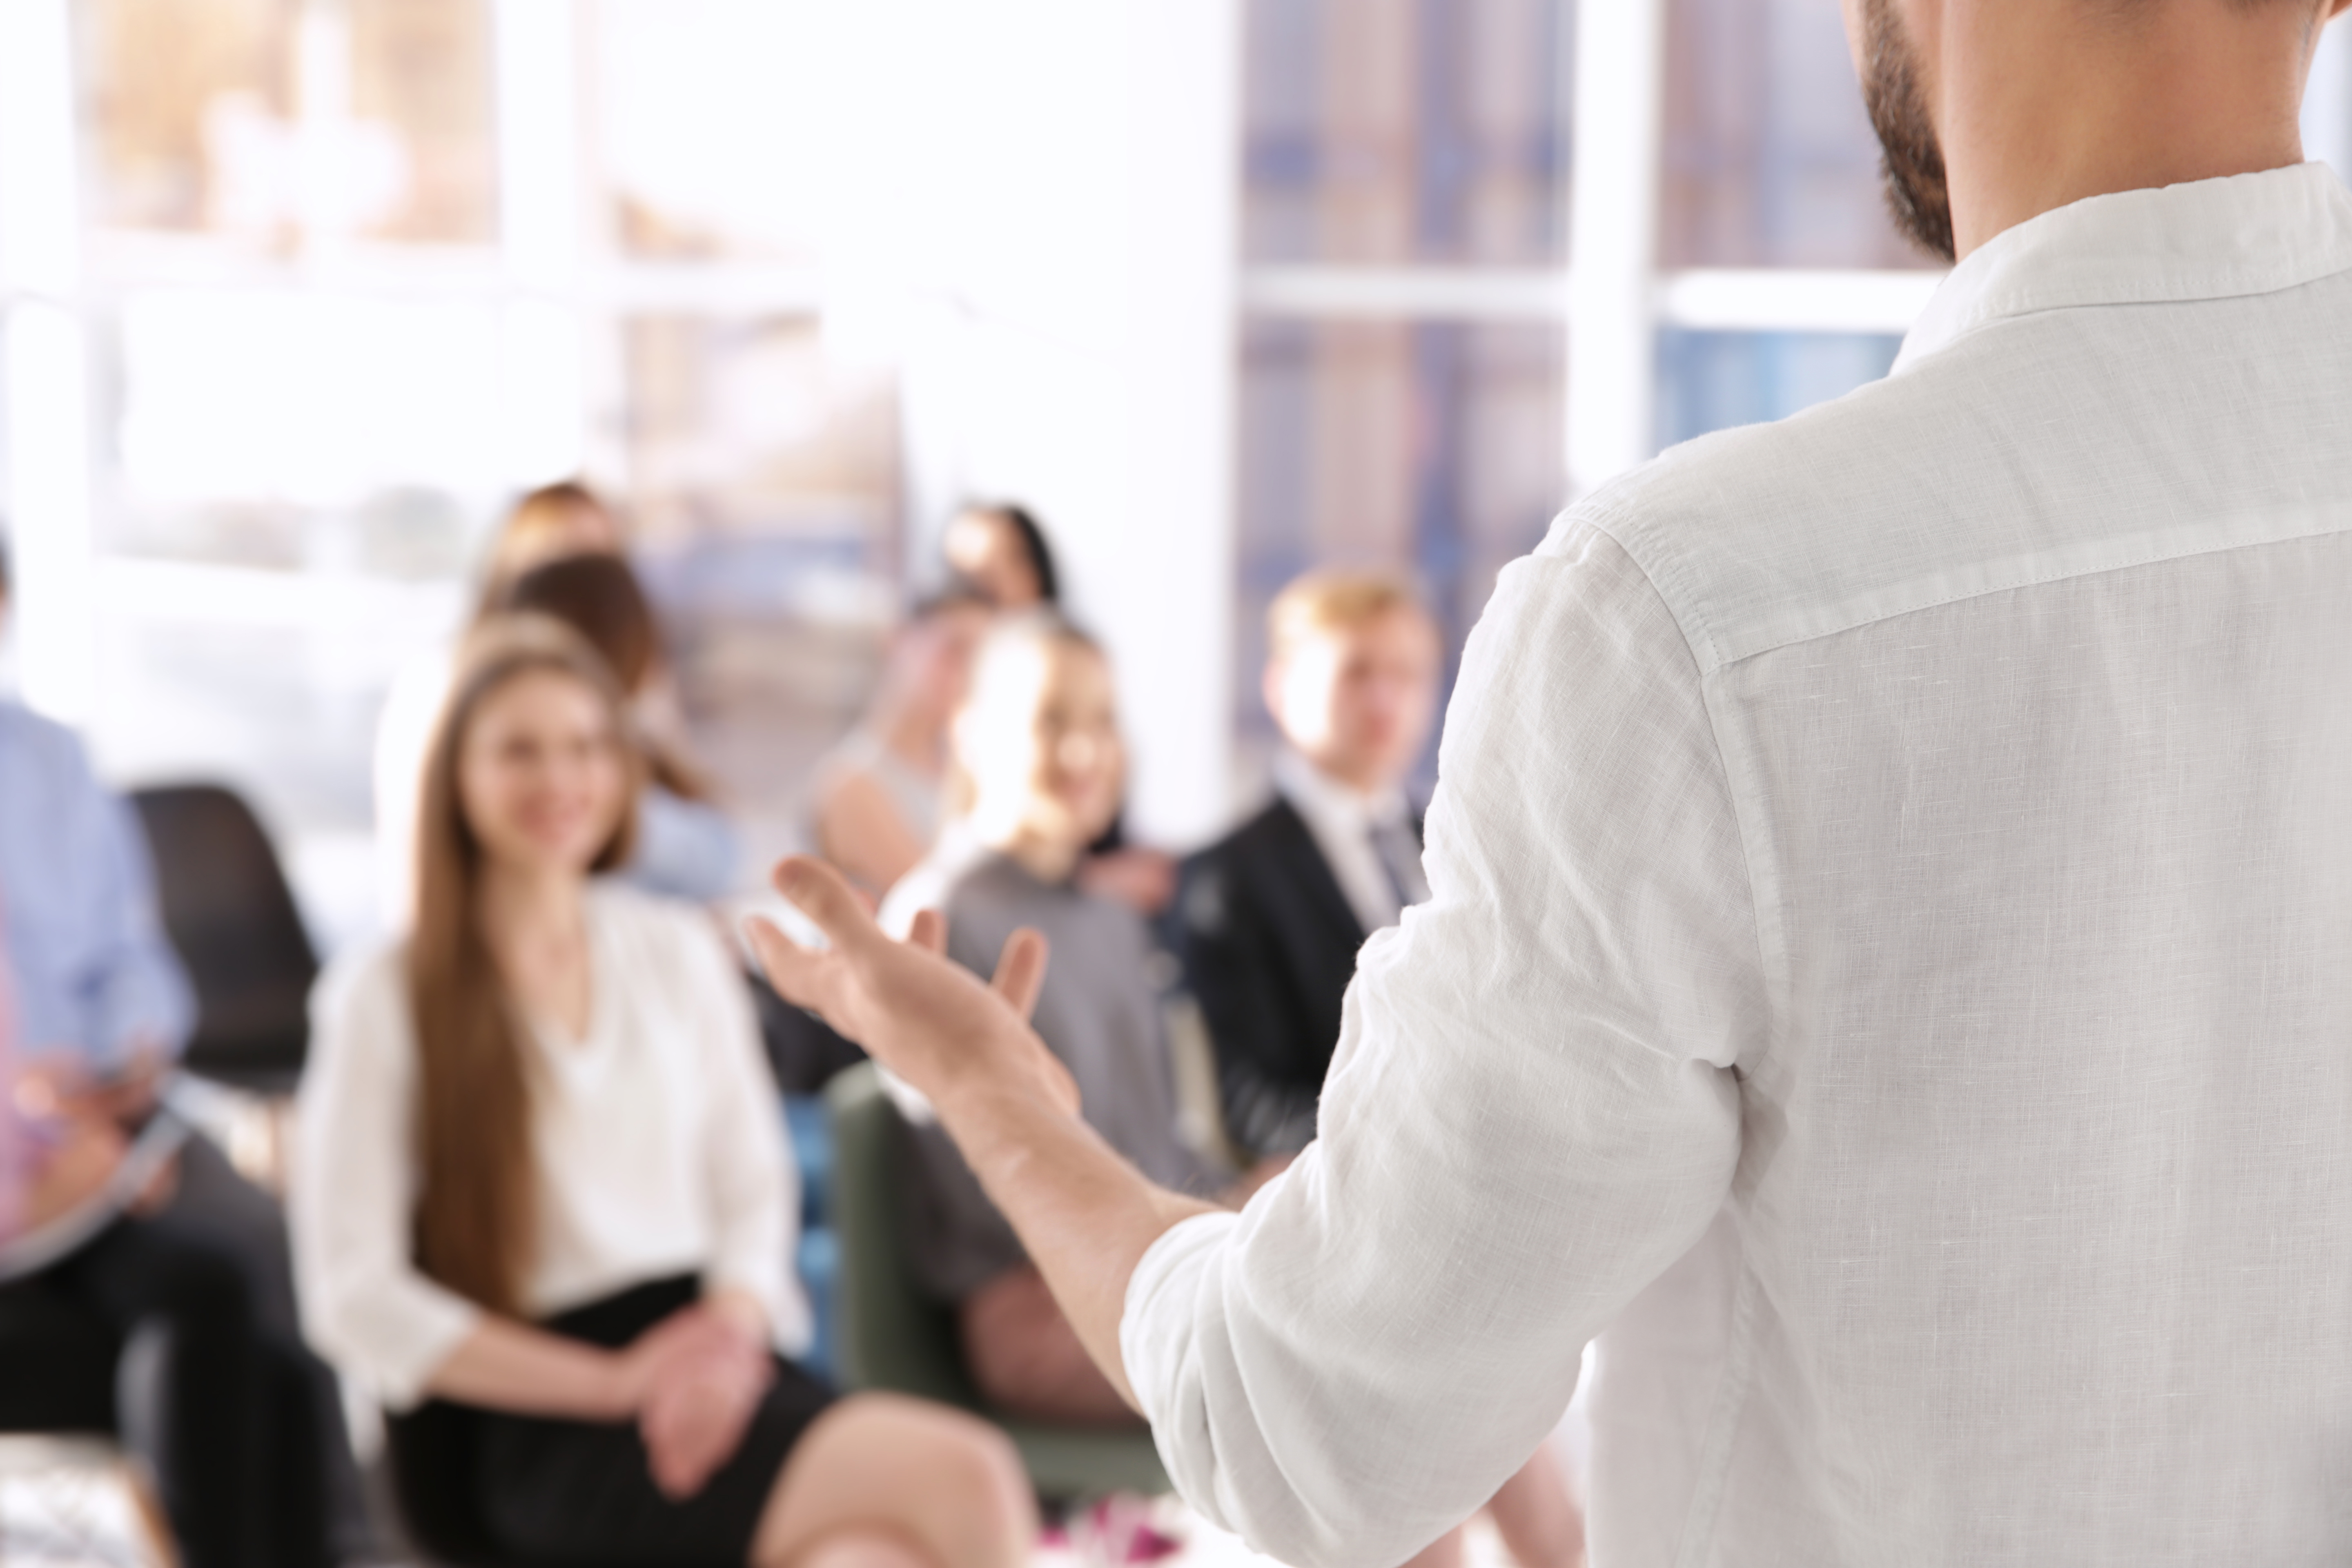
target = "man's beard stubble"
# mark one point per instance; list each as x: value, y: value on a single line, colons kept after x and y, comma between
x: 1912, y: 160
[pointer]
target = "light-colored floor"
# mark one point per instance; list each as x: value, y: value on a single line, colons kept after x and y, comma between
x: 70, y: 1504
x: 73, y: 1505
x: 81, y: 1515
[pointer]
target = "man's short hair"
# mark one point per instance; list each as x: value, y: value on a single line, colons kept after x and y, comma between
x: 1338, y: 600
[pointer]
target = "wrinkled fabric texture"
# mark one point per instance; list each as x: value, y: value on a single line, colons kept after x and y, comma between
x: 1889, y: 967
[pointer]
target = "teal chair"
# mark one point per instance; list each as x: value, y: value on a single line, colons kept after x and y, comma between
x: 893, y: 1337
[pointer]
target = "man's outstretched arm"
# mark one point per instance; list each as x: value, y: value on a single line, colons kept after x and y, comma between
x: 1086, y: 1216
x: 1530, y: 1115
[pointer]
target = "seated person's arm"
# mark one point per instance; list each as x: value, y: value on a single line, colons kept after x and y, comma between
x: 131, y: 1007
x: 1530, y: 1116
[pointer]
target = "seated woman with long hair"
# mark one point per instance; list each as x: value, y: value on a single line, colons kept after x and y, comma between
x: 541, y: 1199
x: 685, y: 847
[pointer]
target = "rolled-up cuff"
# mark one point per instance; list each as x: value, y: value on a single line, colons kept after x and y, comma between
x: 409, y: 1353
x: 1156, y: 1324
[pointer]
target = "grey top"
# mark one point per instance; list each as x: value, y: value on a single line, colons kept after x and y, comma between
x: 1099, y: 1013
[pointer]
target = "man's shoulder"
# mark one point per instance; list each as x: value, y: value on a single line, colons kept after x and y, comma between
x: 38, y: 741
x: 1273, y: 827
x: 1250, y: 868
x: 1737, y: 528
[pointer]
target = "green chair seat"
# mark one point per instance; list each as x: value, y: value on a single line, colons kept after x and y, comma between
x: 895, y: 1338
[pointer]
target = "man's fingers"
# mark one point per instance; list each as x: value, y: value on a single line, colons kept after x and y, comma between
x: 929, y: 931
x: 823, y: 894
x: 795, y: 970
x: 1021, y: 970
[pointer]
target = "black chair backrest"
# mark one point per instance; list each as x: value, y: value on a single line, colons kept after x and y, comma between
x: 232, y: 919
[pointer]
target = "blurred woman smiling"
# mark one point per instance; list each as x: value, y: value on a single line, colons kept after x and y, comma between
x: 542, y: 1196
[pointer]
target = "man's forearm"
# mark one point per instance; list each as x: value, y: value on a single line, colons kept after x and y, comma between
x: 1086, y: 1216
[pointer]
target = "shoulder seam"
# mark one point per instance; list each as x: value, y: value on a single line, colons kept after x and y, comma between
x: 1775, y: 989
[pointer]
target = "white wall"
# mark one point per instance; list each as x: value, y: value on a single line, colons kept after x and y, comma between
x: 1069, y: 341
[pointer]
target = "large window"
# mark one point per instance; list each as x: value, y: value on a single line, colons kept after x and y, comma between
x: 339, y: 278
x: 1404, y: 214
x: 295, y: 295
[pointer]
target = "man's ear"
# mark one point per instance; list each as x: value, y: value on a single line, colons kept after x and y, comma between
x: 1270, y: 680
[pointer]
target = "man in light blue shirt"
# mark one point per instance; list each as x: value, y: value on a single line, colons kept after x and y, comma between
x: 101, y: 1010
x: 96, y: 982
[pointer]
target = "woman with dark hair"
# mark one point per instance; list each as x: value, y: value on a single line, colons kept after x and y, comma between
x: 1000, y: 550
x: 685, y: 846
x: 541, y: 1188
x: 550, y: 523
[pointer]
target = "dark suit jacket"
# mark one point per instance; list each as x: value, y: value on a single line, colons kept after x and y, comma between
x: 1268, y: 942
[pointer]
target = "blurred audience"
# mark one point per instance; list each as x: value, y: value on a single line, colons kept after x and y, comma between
x: 169, y: 1236
x: 542, y: 1204
x: 877, y: 794
x: 1000, y: 549
x: 1270, y: 917
x: 685, y: 847
x: 1039, y: 767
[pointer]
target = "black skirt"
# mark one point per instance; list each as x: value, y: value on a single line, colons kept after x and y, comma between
x: 478, y: 1483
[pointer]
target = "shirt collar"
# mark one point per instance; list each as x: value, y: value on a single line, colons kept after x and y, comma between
x: 1319, y: 795
x: 2210, y: 239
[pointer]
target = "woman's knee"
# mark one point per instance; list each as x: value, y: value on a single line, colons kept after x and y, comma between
x: 972, y: 1505
x: 971, y: 1473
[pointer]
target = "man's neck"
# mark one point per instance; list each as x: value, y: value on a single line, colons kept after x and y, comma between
x: 2039, y: 104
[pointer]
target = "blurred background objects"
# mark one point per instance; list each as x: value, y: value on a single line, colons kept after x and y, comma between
x: 297, y: 295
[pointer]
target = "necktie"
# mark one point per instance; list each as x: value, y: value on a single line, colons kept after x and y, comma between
x: 1400, y: 854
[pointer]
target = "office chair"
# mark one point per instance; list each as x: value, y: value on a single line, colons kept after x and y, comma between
x: 891, y: 1336
x: 233, y: 920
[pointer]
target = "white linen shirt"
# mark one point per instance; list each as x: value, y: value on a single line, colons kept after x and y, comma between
x: 1340, y: 820
x: 1890, y: 962
x: 657, y: 1139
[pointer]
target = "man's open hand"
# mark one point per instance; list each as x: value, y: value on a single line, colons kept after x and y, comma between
x: 922, y: 1017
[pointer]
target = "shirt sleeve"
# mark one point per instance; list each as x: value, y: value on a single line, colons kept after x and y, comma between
x: 365, y: 1306
x: 138, y: 995
x: 754, y: 1186
x: 1532, y: 1112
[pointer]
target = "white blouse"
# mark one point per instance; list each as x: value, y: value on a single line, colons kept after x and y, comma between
x: 660, y: 1142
